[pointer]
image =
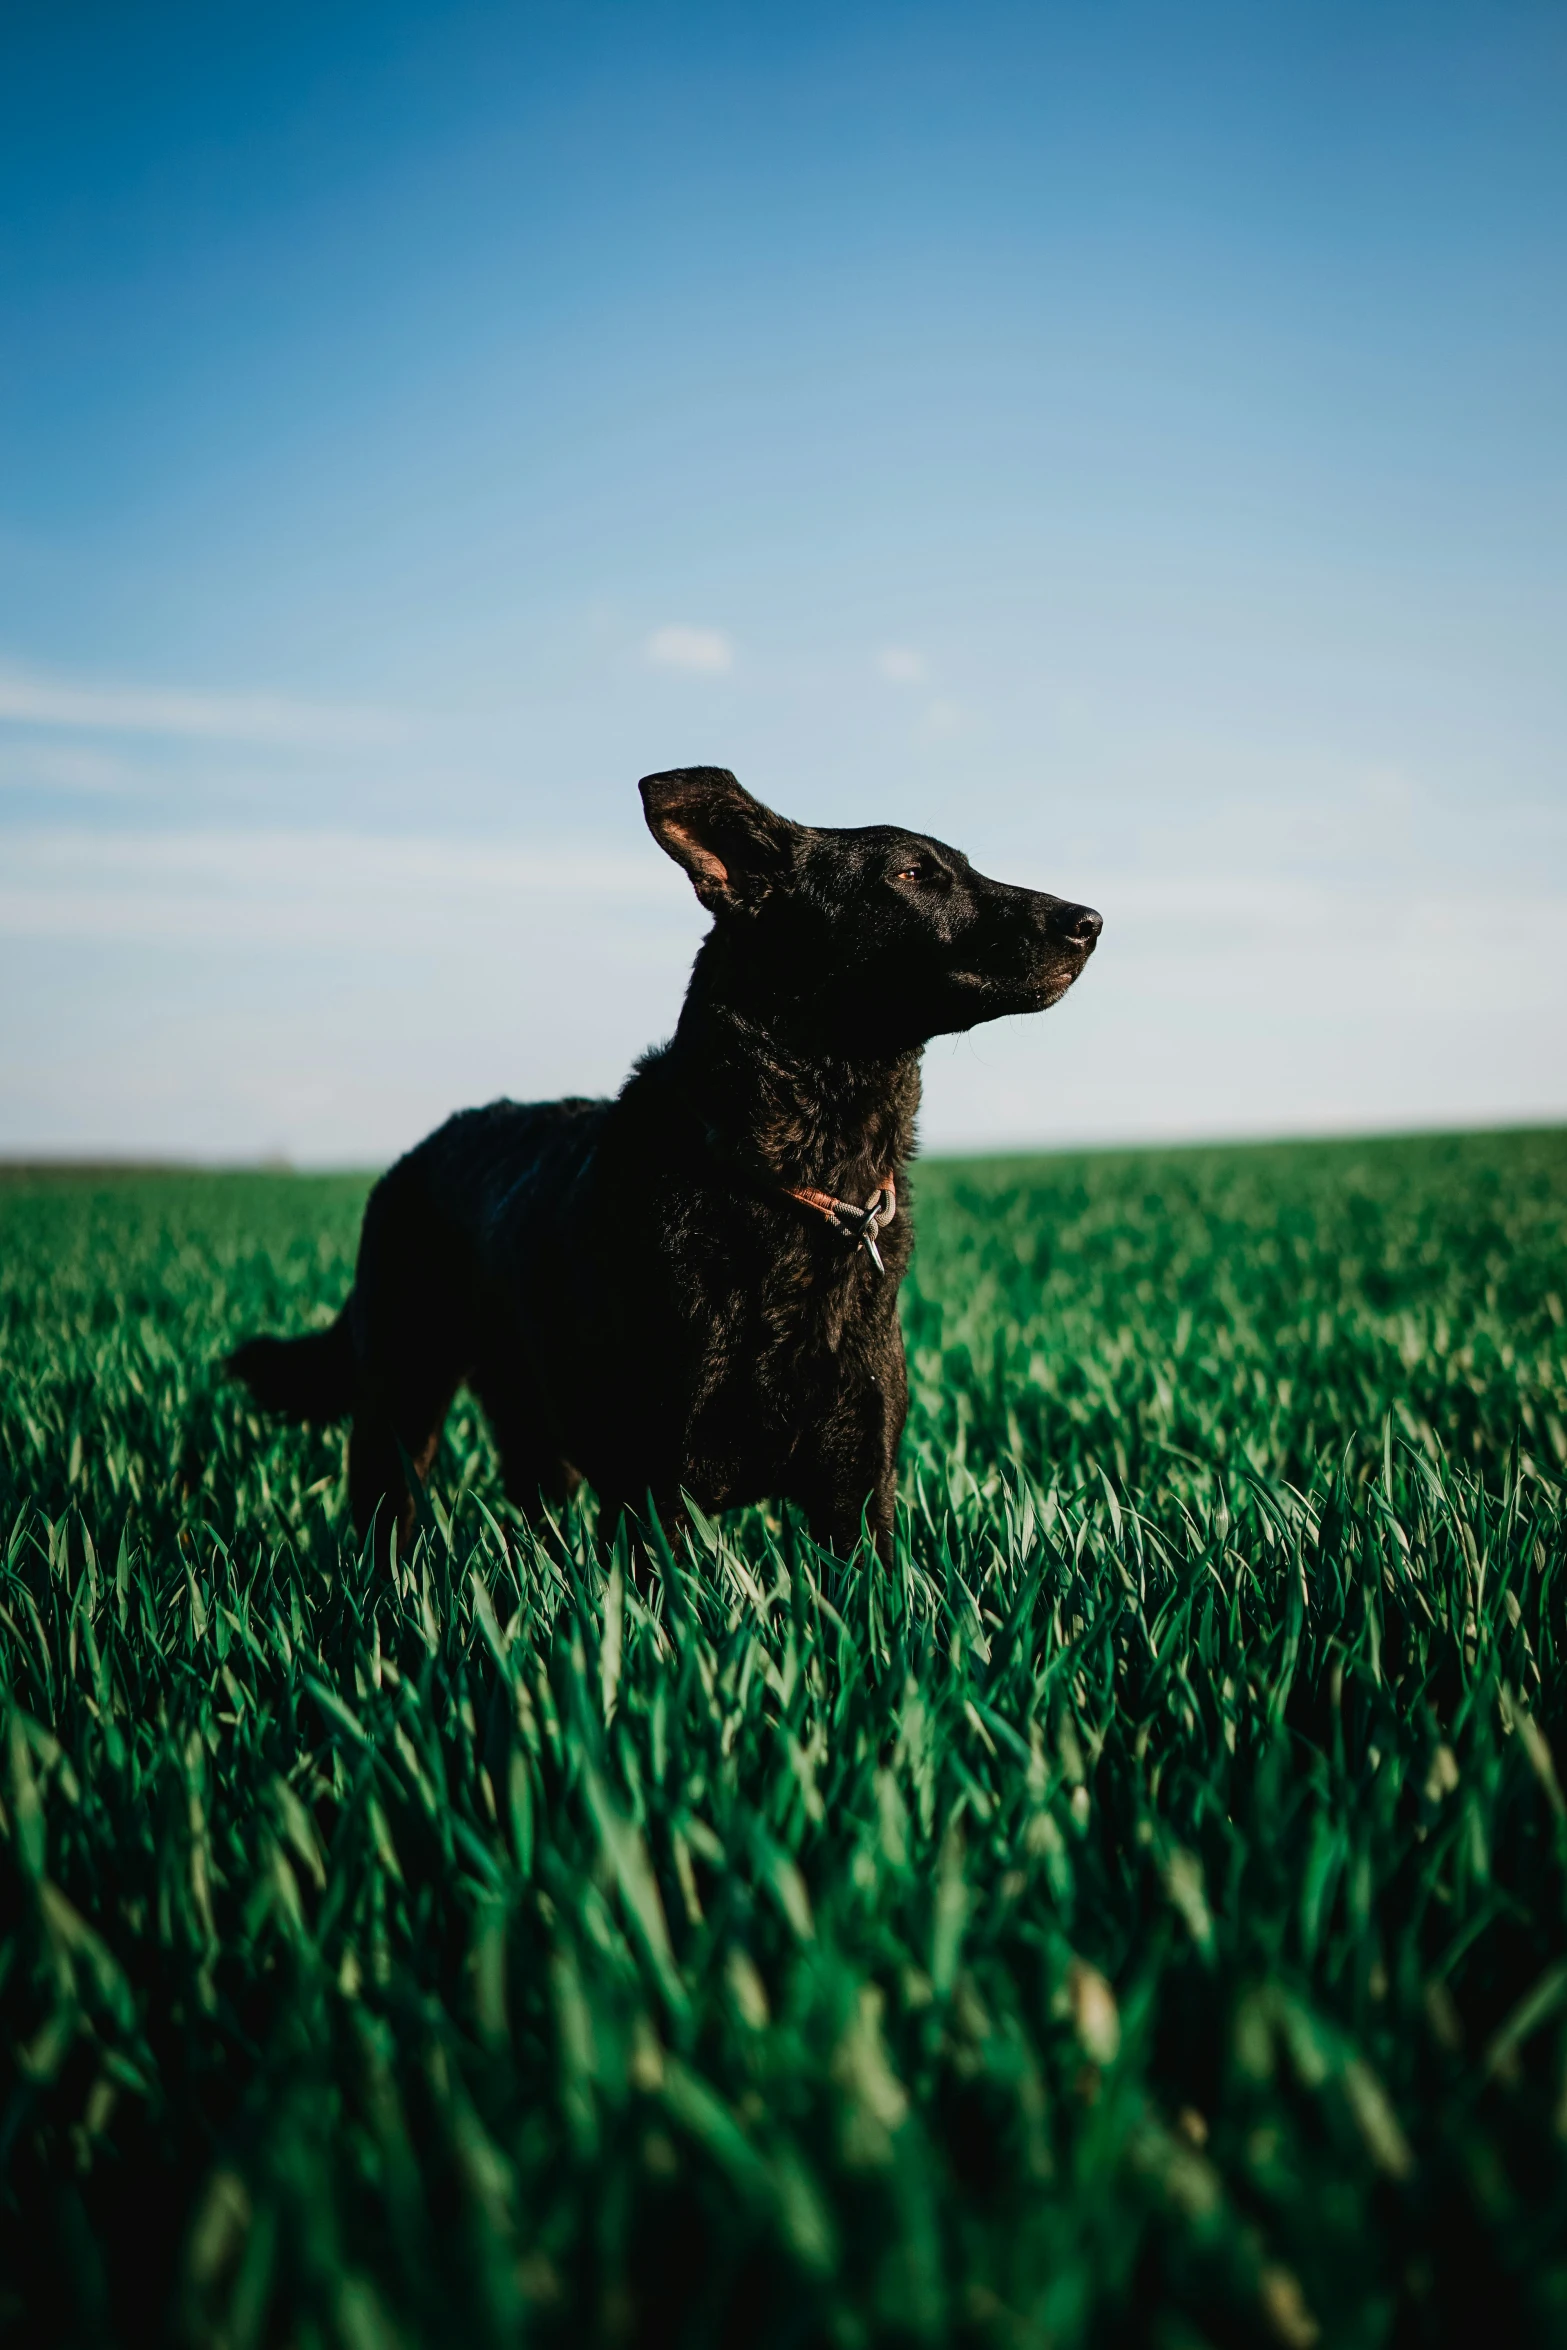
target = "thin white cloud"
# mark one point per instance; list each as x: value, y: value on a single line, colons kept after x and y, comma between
x: 200, y: 889
x: 60, y: 767
x: 900, y: 665
x: 28, y: 697
x: 703, y: 652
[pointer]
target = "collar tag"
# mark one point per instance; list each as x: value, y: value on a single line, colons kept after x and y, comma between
x: 861, y: 1225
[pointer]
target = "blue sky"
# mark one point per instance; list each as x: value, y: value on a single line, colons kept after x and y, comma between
x: 1130, y: 441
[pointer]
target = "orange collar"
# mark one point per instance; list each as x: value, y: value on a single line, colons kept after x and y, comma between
x: 861, y: 1225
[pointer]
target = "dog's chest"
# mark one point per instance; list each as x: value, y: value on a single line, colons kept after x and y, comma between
x: 778, y: 1352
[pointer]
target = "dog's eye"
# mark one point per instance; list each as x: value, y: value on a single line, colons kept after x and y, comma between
x: 914, y: 872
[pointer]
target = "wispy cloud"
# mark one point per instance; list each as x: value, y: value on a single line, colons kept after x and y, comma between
x: 704, y: 652
x: 900, y: 665
x: 214, y: 889
x: 30, y: 697
x: 60, y: 767
x: 330, y: 995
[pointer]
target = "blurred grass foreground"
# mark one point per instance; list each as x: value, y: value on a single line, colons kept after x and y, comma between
x: 1137, y: 1917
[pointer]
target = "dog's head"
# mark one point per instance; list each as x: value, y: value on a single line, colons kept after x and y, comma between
x: 865, y: 929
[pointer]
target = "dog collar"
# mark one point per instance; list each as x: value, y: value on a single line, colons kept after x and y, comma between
x: 861, y: 1225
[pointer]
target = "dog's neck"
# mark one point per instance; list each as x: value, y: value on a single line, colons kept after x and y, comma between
x: 780, y: 1108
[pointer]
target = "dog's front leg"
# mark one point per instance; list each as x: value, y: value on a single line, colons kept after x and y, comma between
x: 846, y: 1466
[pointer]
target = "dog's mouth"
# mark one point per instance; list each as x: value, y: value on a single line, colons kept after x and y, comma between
x: 1032, y: 991
x: 1066, y: 965
x: 1053, y: 984
x: 1045, y: 968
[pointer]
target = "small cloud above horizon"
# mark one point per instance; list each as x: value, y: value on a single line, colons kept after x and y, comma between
x: 701, y: 652
x: 900, y: 665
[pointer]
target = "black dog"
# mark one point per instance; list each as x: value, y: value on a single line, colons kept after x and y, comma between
x: 693, y: 1288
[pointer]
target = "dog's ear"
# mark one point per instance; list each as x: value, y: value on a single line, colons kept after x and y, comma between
x: 733, y: 848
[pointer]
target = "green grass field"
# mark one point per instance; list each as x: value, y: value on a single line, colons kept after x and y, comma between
x: 1138, y: 1916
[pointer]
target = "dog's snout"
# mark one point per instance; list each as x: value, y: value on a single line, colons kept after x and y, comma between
x: 1081, y: 925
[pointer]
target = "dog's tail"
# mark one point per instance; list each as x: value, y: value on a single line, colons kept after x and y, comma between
x: 309, y: 1378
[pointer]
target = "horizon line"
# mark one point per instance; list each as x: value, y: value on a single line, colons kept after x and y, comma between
x: 15, y: 1164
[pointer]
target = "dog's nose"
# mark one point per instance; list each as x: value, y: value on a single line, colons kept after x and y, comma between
x: 1082, y: 925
